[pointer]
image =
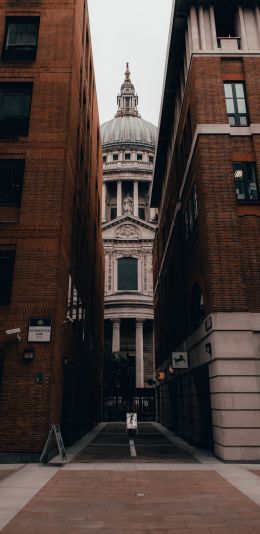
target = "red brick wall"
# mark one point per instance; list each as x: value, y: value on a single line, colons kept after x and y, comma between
x: 57, y: 232
x: 223, y: 256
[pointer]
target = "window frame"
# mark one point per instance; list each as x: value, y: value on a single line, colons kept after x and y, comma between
x: 245, y: 165
x: 5, y: 57
x: 117, y: 274
x: 19, y: 177
x: 23, y: 124
x: 236, y: 115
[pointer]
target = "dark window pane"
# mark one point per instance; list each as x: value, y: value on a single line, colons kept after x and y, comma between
x: 6, y: 276
x: 11, y: 182
x: 246, y: 185
x: 21, y: 38
x: 15, y: 105
x: 113, y: 213
x: 127, y: 157
x: 127, y: 274
x: 141, y: 213
x: 150, y: 159
x: 115, y: 157
x: 139, y: 157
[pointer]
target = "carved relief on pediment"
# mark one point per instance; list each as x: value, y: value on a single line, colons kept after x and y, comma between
x: 127, y: 231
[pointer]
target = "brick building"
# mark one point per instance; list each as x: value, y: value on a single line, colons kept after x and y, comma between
x: 207, y: 254
x: 51, y: 253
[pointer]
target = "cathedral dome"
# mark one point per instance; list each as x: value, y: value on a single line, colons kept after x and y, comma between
x: 128, y: 129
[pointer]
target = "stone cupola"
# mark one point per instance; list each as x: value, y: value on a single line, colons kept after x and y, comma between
x: 127, y: 100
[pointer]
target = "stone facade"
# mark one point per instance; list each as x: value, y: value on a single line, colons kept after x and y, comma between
x: 128, y: 229
x: 206, y: 255
x: 53, y: 231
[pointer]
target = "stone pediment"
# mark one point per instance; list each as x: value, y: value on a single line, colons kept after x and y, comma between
x: 128, y: 228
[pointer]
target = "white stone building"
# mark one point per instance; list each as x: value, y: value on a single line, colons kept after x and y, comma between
x: 128, y: 232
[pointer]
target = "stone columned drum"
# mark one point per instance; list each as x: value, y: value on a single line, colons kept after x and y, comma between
x: 129, y: 226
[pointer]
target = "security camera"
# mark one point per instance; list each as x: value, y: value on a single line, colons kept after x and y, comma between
x: 68, y: 319
x: 13, y: 331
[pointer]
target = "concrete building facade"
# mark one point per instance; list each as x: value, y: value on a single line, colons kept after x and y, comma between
x: 51, y: 252
x: 206, y: 254
x: 128, y: 233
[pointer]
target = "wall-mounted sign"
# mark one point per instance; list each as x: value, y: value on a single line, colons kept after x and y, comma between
x: 39, y: 330
x: 180, y: 360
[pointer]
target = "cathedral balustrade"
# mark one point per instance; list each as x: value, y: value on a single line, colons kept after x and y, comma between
x: 118, y: 165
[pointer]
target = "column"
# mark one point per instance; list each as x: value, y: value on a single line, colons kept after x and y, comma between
x: 119, y: 198
x: 213, y: 28
x: 136, y: 200
x: 139, y: 358
x: 116, y: 335
x: 104, y: 202
x: 257, y: 14
x: 244, y: 44
x: 202, y: 28
x: 194, y: 29
x: 152, y: 214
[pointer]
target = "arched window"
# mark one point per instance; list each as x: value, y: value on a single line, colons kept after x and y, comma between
x: 197, y: 312
x: 127, y: 274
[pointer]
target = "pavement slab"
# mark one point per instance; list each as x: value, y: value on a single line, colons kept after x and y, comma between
x: 191, y: 502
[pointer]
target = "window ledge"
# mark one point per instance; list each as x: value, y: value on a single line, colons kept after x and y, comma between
x: 248, y: 202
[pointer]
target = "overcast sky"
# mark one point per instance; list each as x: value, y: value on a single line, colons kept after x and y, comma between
x: 135, y: 31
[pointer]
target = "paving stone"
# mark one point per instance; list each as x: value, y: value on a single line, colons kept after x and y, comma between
x: 185, y: 502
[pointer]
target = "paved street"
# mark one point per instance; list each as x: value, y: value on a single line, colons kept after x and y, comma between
x: 149, y: 445
x: 107, y: 489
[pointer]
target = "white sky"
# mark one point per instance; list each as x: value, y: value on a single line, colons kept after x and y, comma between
x: 135, y: 31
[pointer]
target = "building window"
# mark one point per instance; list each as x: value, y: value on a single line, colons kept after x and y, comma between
x: 11, y: 182
x: 21, y: 37
x: 7, y: 258
x: 191, y: 213
x: 104, y: 159
x: 151, y: 159
x: 141, y: 213
x: 15, y: 106
x: 113, y: 213
x: 127, y: 157
x: 115, y: 157
x: 246, y: 181
x: 127, y: 274
x: 236, y: 104
x: 197, y: 312
x: 139, y: 157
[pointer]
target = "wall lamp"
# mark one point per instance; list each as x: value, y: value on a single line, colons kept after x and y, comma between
x: 29, y: 354
x: 208, y: 348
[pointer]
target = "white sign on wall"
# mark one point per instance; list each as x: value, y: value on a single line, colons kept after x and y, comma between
x: 39, y: 330
x: 180, y: 360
